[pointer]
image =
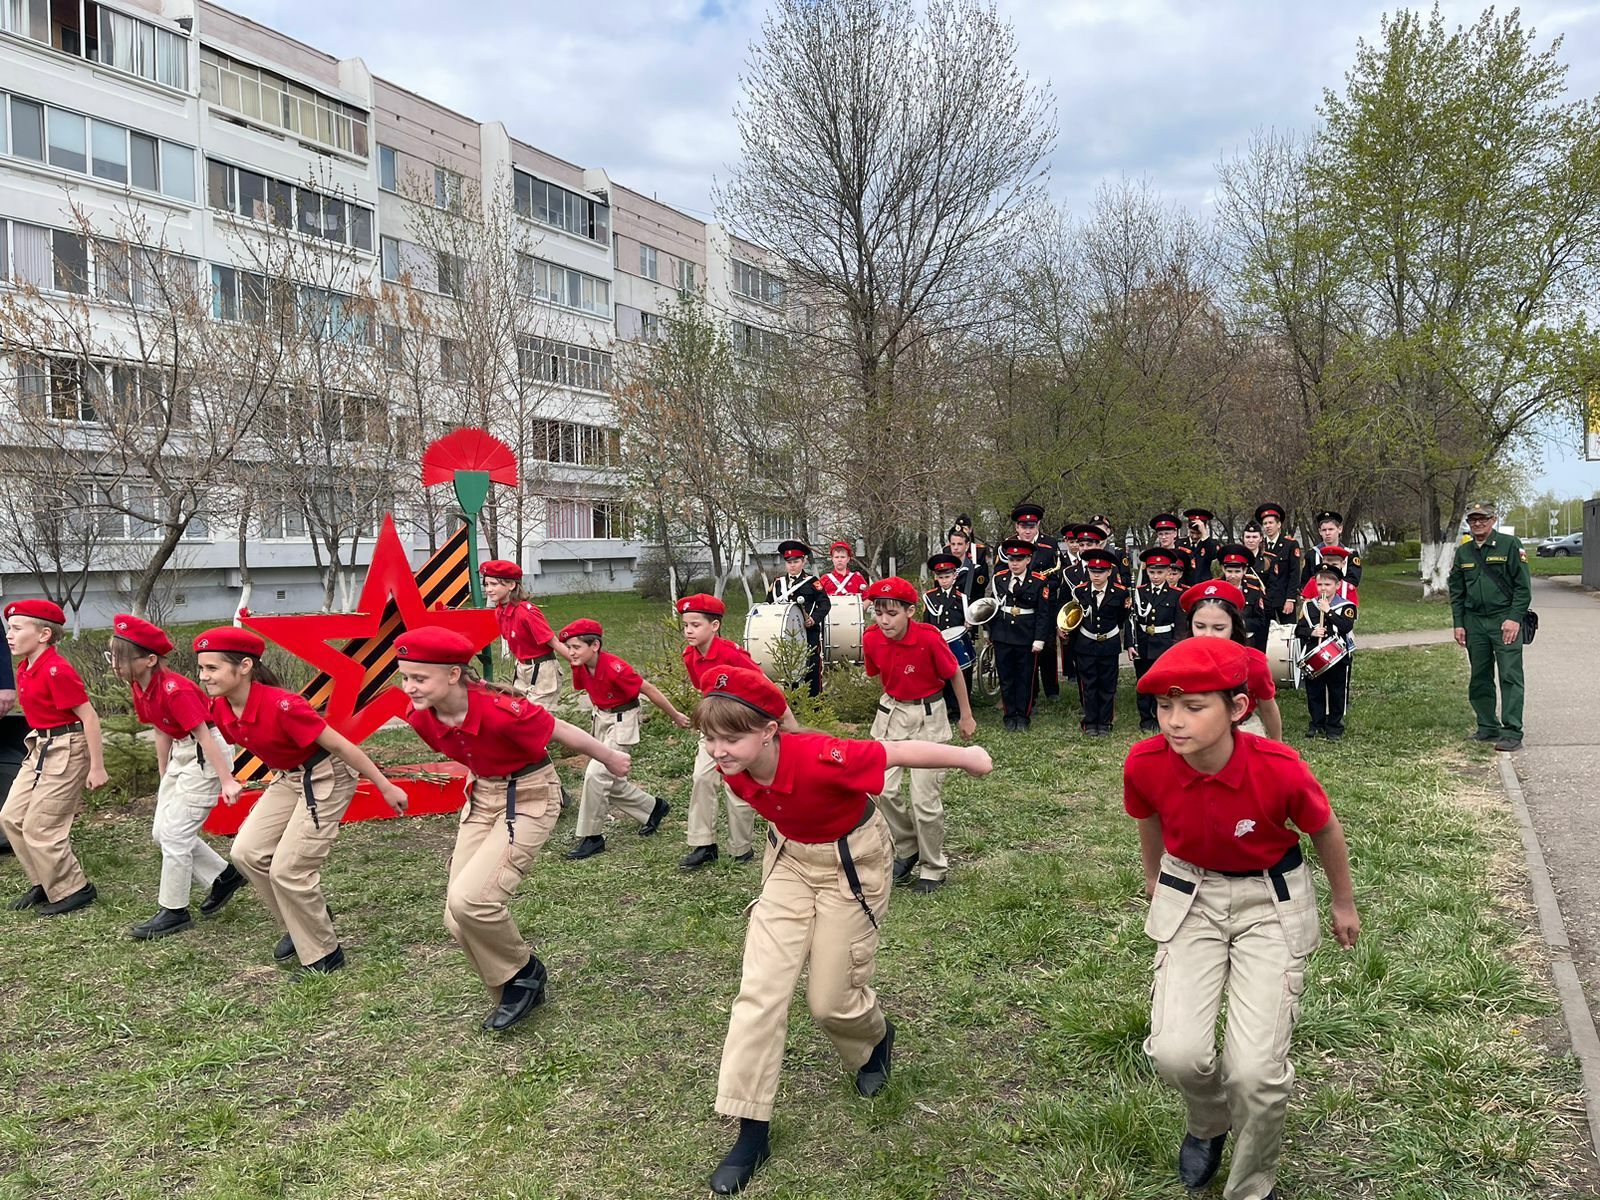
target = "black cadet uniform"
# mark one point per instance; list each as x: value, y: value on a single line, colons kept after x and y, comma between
x: 805, y: 590
x: 1026, y: 617
x: 948, y: 610
x: 1185, y: 554
x: 1097, y: 643
x: 1327, y: 695
x: 1281, y: 558
x: 1045, y: 567
x: 1154, y: 617
x: 1312, y: 556
x: 1205, y: 548
x: 1102, y: 527
x: 1255, y: 615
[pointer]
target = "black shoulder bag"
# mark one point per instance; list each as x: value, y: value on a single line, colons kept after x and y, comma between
x: 1530, y: 619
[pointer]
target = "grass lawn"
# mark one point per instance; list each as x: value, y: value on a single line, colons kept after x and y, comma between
x: 1430, y: 1059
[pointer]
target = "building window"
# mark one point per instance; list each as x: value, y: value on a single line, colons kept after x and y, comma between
x: 389, y: 255
x: 394, y: 345
x: 564, y: 286
x: 756, y: 284
x: 585, y: 520
x: 102, y: 35
x: 649, y: 262
x: 330, y: 315
x: 255, y: 197
x: 446, y: 189
x: 71, y: 254
x: 451, y: 275
x: 548, y: 361
x: 778, y: 527
x: 575, y: 445
x: 263, y: 96
x: 27, y: 125
x: 551, y: 204
x: 67, y: 141
x: 387, y: 168
x: 103, y: 149
x: 683, y: 275
x: 752, y: 341
x: 650, y: 328
x: 452, y: 360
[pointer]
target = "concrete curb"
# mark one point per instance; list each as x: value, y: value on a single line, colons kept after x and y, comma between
x: 1574, y: 1004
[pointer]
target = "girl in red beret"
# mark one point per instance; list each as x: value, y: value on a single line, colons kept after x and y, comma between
x: 1215, y: 608
x: 513, y: 801
x: 1233, y: 907
x: 289, y: 831
x: 825, y: 889
x: 613, y: 688
x: 64, y: 756
x: 195, y: 768
x: 529, y: 640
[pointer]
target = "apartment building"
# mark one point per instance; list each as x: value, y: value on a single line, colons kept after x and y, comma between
x: 220, y: 133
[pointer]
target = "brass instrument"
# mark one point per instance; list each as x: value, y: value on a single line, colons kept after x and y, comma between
x: 1069, y: 618
x: 982, y: 610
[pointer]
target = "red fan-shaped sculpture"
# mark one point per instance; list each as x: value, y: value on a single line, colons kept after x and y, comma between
x: 469, y: 450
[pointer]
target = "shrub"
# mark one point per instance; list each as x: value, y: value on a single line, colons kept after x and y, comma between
x: 1411, y: 549
x: 1381, y: 554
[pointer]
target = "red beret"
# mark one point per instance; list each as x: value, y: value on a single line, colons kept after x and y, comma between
x: 1197, y: 664
x: 500, y: 568
x: 582, y: 627
x: 893, y: 588
x: 701, y: 602
x: 845, y: 546
x: 433, y: 644
x: 150, y: 638
x: 230, y: 639
x: 750, y: 688
x: 1211, y: 589
x: 39, y: 610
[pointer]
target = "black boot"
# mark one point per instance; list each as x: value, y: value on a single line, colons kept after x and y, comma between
x: 587, y: 847
x: 166, y: 921
x: 222, y: 890
x: 904, y: 866
x: 657, y: 815
x: 738, y: 1166
x: 747, y: 856
x: 522, y: 993
x: 874, y: 1073
x: 699, y: 857
x: 1199, y: 1158
x: 326, y: 965
x: 284, y: 950
x: 81, y: 898
x: 33, y: 896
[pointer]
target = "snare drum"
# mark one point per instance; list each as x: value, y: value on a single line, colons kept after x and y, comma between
x: 1282, y: 656
x: 766, y: 627
x: 961, y: 646
x: 841, y: 633
x: 1324, y: 656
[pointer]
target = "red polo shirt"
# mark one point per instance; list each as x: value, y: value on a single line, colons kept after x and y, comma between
x: 174, y: 703
x: 913, y: 668
x: 851, y: 583
x: 1235, y: 820
x: 49, y: 688
x: 499, y: 736
x: 525, y: 630
x: 820, y: 788
x: 720, y: 654
x: 278, y: 727
x: 610, y: 684
x: 1258, y: 682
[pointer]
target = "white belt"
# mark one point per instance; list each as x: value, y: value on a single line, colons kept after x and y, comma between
x: 1158, y: 628
x: 1017, y: 612
x: 1101, y: 637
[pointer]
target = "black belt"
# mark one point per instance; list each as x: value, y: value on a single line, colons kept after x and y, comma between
x: 927, y: 703
x: 538, y: 658
x: 622, y: 708
x: 317, y: 756
x: 1291, y: 859
x: 511, y: 793
x: 46, y: 736
x: 849, y: 864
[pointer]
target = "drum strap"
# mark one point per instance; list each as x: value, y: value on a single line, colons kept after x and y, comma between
x: 848, y: 865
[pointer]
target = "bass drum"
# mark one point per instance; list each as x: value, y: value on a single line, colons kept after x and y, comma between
x: 841, y: 633
x: 1283, y: 656
x: 765, y: 629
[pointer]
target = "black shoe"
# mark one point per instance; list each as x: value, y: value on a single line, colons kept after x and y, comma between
x: 326, y: 965
x: 737, y: 1168
x: 1024, y: 724
x: 5, y: 848
x: 166, y: 921
x: 923, y: 886
x: 522, y: 993
x: 222, y: 890
x: 566, y: 798
x: 747, y: 856
x: 1333, y: 735
x: 1097, y: 731
x: 872, y: 1077
x: 903, y: 868
x: 1198, y: 1159
x: 587, y: 847
x: 1508, y: 743
x: 699, y: 857
x: 81, y: 898
x: 1009, y: 724
x: 1314, y: 732
x: 657, y: 815
x: 284, y: 950
x: 33, y: 896
x: 1480, y: 735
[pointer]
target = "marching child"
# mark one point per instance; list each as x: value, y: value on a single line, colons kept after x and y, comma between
x: 613, y: 687
x: 798, y: 586
x: 1153, y: 622
x: 1097, y: 643
x: 1234, y: 914
x: 288, y: 833
x: 1330, y: 615
x: 945, y: 606
x: 824, y: 893
x: 195, y: 769
x: 914, y: 664
x: 705, y: 654
x: 1216, y: 610
x: 1237, y: 562
x: 513, y: 801
x: 64, y: 756
x: 1019, y: 630
x: 529, y: 640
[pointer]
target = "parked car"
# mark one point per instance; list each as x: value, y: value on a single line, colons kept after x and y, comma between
x: 1562, y: 547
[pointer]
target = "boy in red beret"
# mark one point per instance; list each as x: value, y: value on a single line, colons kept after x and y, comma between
x: 914, y: 663
x: 526, y: 630
x: 843, y: 580
x: 1233, y: 908
x: 195, y: 768
x: 706, y: 652
x: 614, y: 688
x: 64, y: 756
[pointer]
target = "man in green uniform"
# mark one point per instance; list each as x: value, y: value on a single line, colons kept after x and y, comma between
x: 1490, y: 591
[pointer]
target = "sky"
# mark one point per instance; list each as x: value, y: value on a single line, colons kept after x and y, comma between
x: 1145, y: 89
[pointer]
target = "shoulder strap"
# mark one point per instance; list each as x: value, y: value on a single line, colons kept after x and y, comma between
x: 1499, y: 579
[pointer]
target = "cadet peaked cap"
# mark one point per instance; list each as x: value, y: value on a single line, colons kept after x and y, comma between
x: 750, y: 688
x: 500, y: 568
x: 1197, y: 664
x: 582, y: 627
x: 152, y: 639
x: 1164, y: 521
x: 1099, y: 560
x: 39, y: 610
x: 1159, y: 556
x: 1264, y: 511
x: 792, y: 549
x: 1235, y: 555
x: 433, y: 644
x: 1211, y: 589
x: 944, y: 562
x: 1328, y: 514
x: 1027, y: 514
x: 1199, y: 514
x: 1017, y: 546
x: 702, y: 602
x: 230, y: 639
x: 893, y: 588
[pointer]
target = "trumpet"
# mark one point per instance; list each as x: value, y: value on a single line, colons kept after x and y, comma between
x: 1069, y: 618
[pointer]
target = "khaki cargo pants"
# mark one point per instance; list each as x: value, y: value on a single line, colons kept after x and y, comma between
x: 707, y: 782
x: 918, y: 827
x: 806, y: 916
x: 280, y: 849
x: 487, y: 864
x: 1248, y: 937
x: 603, y: 791
x: 189, y: 791
x: 45, y: 799
x: 539, y: 681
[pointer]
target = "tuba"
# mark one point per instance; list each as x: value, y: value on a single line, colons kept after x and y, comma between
x: 982, y: 610
x: 1069, y: 618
